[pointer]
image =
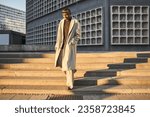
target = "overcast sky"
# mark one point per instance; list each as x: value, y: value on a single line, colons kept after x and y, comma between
x: 18, y: 4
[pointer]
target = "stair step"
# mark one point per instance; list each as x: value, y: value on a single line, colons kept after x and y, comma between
x: 134, y: 72
x: 124, y: 81
x: 50, y: 55
x: 129, y: 66
x: 44, y: 81
x: 115, y: 89
x: 108, y: 54
x: 61, y: 90
x: 51, y: 60
x: 37, y: 77
x: 95, y: 73
x: 23, y: 66
x: 143, y: 55
x: 78, y: 82
x: 32, y: 81
x: 137, y: 60
x: 101, y: 73
x: 36, y: 73
x: 22, y: 55
x: 122, y: 66
x: 118, y: 73
x: 143, y: 66
x: 17, y: 89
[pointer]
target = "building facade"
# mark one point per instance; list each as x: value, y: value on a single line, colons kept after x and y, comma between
x: 106, y: 25
x: 9, y: 37
x: 12, y: 19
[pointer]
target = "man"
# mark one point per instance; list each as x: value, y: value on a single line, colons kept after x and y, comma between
x: 68, y: 35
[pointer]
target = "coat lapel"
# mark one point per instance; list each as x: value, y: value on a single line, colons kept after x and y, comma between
x: 71, y: 25
x: 62, y: 27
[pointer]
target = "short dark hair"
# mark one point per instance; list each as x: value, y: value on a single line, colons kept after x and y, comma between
x: 66, y: 10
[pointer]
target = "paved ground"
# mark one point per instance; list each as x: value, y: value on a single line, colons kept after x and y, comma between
x: 77, y: 97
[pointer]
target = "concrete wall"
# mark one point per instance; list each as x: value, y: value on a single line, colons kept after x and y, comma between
x: 25, y: 48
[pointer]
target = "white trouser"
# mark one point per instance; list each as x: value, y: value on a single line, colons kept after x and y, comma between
x: 70, y: 78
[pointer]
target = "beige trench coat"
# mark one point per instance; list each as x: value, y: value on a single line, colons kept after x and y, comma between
x: 69, y: 58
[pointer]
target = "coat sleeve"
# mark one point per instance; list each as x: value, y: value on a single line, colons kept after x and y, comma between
x: 77, y: 35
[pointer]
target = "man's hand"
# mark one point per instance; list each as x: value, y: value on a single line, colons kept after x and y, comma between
x: 74, y: 41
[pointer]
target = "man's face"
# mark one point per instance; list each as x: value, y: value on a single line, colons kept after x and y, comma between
x: 66, y: 16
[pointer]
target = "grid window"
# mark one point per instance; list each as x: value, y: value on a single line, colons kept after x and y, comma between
x: 38, y: 8
x: 129, y: 25
x: 91, y: 27
x: 44, y: 34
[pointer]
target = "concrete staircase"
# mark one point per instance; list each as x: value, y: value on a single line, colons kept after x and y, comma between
x: 98, y: 73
